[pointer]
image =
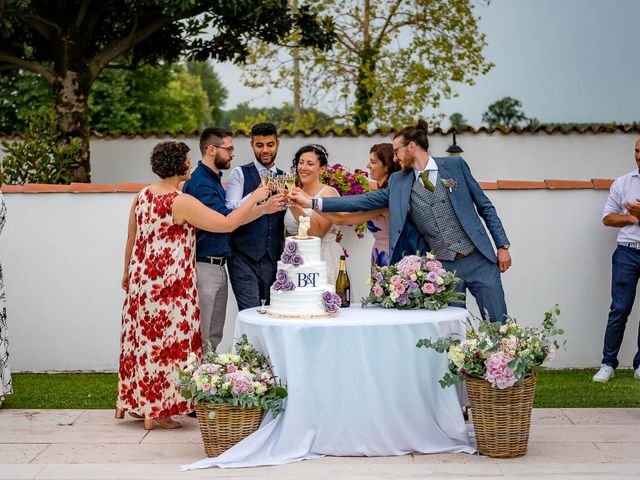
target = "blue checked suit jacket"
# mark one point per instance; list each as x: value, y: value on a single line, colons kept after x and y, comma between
x: 467, y: 198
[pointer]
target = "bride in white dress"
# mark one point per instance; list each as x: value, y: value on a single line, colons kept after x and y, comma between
x: 310, y: 162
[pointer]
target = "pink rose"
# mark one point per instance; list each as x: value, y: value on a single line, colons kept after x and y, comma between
x: 400, y: 288
x: 498, y: 372
x: 377, y: 291
x: 431, y: 265
x: 241, y: 382
x: 428, y: 288
x: 206, y: 387
x: 395, y: 279
x: 231, y: 368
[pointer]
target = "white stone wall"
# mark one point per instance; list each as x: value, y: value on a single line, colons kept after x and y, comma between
x: 61, y: 253
x: 532, y: 157
x: 62, y: 262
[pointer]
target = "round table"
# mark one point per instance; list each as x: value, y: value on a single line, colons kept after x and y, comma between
x: 357, y: 386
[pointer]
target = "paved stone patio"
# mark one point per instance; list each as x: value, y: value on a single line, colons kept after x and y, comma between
x: 91, y: 444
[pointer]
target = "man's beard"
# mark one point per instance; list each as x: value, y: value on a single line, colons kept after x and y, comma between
x: 261, y: 162
x: 406, y: 164
x: 222, y: 164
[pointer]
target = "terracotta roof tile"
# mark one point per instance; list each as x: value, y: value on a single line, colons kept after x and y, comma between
x: 130, y: 187
x: 567, y: 184
x: 92, y: 187
x: 11, y: 188
x: 519, y: 185
x: 601, y: 183
x: 351, y: 132
x: 596, y: 184
x: 44, y: 188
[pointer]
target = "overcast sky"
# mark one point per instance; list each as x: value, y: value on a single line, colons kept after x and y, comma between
x: 565, y: 60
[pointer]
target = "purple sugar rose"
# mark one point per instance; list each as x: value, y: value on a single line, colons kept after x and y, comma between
x: 285, y: 257
x: 296, y: 260
x: 331, y: 308
x: 337, y: 300
x: 327, y: 297
x: 291, y: 248
x: 281, y: 276
x: 288, y: 286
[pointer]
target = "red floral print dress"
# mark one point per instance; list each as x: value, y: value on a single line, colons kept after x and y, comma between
x: 160, y: 318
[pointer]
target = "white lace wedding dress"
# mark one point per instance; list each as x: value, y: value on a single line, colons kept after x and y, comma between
x: 330, y: 248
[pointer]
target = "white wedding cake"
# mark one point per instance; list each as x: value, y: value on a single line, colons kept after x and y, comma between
x: 301, y: 288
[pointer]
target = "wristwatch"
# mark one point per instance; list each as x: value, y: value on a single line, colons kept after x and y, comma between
x: 314, y: 205
x: 505, y: 246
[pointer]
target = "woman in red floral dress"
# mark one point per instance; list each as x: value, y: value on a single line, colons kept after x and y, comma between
x: 160, y: 319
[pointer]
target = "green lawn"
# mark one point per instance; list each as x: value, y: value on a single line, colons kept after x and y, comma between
x: 555, y: 389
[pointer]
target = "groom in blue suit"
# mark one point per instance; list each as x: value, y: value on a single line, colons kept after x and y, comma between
x: 436, y: 204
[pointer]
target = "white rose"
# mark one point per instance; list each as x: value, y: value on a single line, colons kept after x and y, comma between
x: 439, y: 281
x: 394, y: 296
x: 456, y: 355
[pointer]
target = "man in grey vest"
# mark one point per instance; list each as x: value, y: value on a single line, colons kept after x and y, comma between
x: 443, y: 203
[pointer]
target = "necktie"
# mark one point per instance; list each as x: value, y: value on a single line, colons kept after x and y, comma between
x: 427, y: 183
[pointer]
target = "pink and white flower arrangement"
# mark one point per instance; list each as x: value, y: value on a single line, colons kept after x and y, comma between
x: 414, y: 282
x: 503, y: 355
x: 347, y: 183
x: 244, y: 378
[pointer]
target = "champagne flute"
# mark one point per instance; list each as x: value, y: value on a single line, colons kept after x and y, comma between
x: 265, y: 177
x: 290, y: 181
x: 265, y: 180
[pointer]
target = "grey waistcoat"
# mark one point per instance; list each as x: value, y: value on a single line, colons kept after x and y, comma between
x: 436, y: 220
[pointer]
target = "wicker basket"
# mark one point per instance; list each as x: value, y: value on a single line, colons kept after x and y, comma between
x: 501, y: 417
x: 229, y: 425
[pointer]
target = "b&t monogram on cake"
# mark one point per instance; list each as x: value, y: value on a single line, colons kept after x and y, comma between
x: 307, y: 279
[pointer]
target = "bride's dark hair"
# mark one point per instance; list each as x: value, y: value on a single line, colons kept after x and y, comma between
x: 319, y: 150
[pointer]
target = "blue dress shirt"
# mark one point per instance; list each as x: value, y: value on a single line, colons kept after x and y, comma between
x: 205, y: 185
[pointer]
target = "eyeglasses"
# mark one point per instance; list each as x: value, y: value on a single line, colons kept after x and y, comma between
x: 395, y: 150
x: 228, y: 149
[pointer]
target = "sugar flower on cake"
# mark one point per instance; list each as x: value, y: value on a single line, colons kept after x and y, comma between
x: 290, y: 256
x: 282, y: 283
x: 331, y: 302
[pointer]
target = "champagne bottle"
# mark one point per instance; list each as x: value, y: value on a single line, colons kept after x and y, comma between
x: 343, y: 285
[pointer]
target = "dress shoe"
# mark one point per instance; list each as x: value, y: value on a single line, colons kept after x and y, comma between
x: 605, y: 374
x: 165, y: 422
x: 636, y: 373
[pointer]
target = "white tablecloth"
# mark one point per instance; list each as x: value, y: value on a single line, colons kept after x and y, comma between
x: 357, y: 386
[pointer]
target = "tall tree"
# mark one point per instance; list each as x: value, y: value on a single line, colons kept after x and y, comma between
x: 212, y: 86
x: 392, y: 60
x: 506, y: 112
x: 69, y: 42
x: 458, y: 121
x: 285, y: 117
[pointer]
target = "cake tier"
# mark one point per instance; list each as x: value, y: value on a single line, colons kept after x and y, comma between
x: 307, y: 275
x: 308, y: 248
x: 301, y: 301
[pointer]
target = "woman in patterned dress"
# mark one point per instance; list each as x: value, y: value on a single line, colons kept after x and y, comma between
x: 161, y: 320
x: 381, y: 166
x: 5, y: 372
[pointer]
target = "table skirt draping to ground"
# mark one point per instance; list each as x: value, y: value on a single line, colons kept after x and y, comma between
x: 358, y: 386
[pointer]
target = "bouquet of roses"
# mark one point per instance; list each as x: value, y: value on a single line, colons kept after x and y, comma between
x: 503, y: 355
x: 243, y: 379
x: 414, y: 282
x: 347, y: 183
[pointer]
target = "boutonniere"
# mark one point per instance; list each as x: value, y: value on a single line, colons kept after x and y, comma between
x: 450, y: 183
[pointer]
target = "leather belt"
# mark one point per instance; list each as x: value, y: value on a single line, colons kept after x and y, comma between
x: 462, y: 255
x: 212, y: 260
x: 634, y: 245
